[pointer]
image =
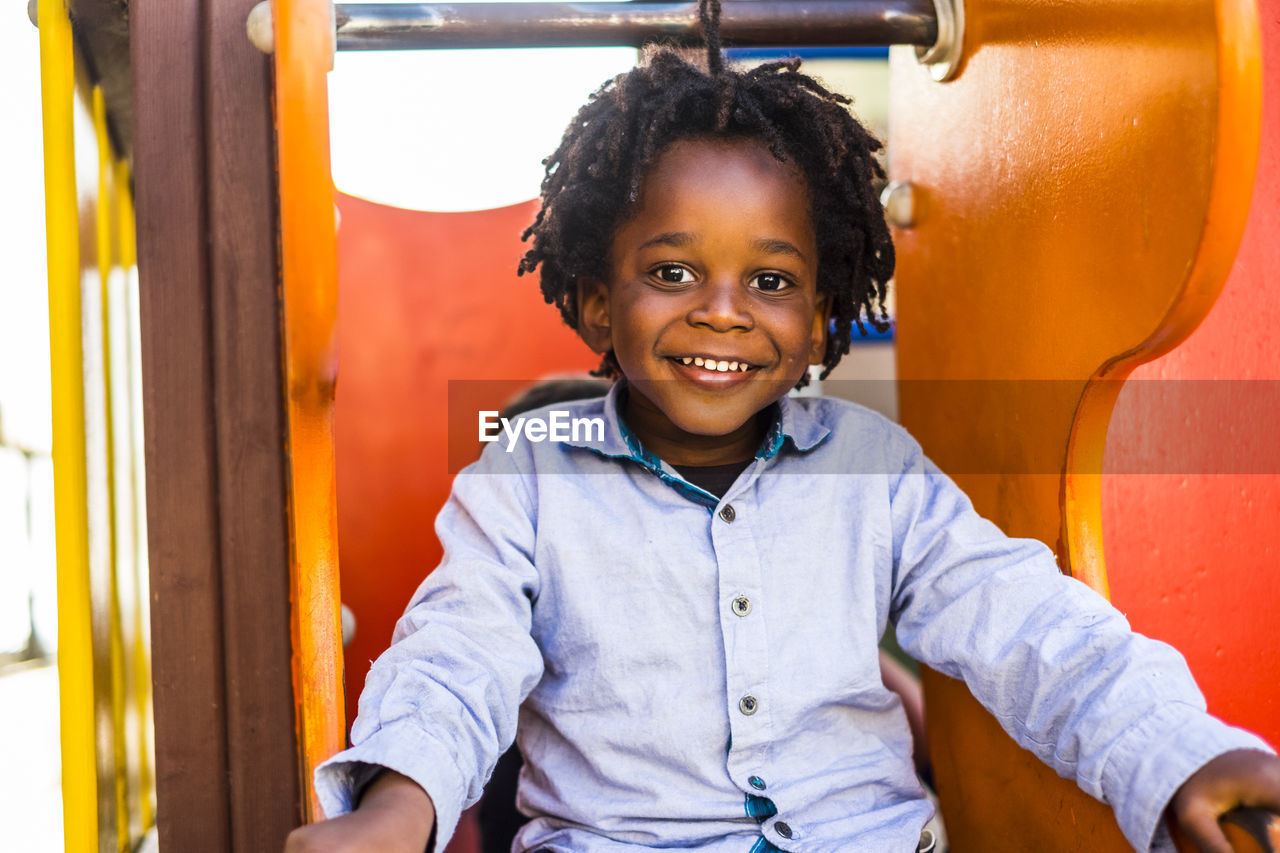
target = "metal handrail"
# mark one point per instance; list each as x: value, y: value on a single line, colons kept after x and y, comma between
x: 753, y: 23
x: 934, y: 27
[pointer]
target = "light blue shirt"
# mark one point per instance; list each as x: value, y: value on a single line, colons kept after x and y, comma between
x: 680, y: 663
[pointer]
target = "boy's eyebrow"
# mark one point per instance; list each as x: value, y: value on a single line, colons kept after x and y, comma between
x: 769, y: 245
x: 678, y: 239
x: 774, y: 246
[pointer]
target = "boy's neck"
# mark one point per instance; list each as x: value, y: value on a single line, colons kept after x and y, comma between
x: 676, y: 447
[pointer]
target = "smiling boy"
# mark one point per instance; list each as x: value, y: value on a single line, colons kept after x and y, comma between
x: 685, y: 615
x: 718, y: 265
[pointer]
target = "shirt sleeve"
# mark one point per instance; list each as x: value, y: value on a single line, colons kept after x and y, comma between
x: 440, y: 705
x: 1053, y: 661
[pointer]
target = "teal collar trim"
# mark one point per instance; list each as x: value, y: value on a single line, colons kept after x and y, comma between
x: 797, y: 424
x: 791, y: 422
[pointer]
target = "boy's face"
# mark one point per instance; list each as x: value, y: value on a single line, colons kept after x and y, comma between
x: 718, y: 264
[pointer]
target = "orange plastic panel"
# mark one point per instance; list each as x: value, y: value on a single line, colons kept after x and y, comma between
x: 1082, y: 186
x: 303, y: 51
x: 1193, y: 554
x: 425, y: 299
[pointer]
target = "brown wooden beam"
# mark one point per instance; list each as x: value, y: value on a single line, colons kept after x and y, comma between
x: 181, y: 469
x: 263, y: 759
x: 226, y: 755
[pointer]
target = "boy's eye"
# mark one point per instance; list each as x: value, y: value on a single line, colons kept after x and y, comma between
x: 674, y: 274
x: 771, y: 282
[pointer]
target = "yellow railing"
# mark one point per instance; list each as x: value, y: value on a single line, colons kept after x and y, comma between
x: 103, y: 654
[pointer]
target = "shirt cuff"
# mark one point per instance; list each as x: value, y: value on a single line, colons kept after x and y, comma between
x: 1152, y: 760
x: 408, y: 751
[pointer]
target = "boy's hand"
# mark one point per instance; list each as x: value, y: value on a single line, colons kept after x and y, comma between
x: 1243, y: 777
x: 395, y: 816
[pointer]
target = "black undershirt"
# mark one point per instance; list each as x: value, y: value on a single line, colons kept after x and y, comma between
x: 715, y: 479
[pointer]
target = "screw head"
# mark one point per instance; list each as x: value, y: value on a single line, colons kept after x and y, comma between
x: 899, y: 201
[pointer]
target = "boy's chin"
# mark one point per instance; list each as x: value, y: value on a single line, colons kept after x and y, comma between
x: 708, y: 415
x: 715, y: 421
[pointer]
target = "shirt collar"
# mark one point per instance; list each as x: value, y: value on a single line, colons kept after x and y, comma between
x: 797, y: 423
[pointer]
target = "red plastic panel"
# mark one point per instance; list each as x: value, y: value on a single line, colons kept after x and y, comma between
x: 1194, y: 558
x: 424, y: 298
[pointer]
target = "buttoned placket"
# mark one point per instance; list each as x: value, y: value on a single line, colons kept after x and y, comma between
x: 744, y: 629
x: 740, y: 575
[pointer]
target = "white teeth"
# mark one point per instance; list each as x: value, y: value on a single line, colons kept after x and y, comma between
x: 713, y: 364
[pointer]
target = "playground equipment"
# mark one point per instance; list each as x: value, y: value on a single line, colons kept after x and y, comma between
x: 1077, y: 181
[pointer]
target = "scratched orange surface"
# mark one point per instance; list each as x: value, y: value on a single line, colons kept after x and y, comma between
x: 1192, y: 544
x: 303, y: 47
x: 1083, y: 185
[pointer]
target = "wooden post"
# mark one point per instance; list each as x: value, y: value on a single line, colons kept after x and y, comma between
x: 227, y: 763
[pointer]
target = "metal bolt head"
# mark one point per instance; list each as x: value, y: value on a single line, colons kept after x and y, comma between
x: 943, y: 57
x: 899, y: 201
x: 260, y: 27
x: 348, y: 626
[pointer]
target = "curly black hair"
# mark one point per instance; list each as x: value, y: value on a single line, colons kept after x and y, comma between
x: 593, y: 179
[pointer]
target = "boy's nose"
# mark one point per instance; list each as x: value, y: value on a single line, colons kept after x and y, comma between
x: 722, y: 306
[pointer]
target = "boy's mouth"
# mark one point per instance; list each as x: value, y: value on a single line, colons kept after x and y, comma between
x: 714, y: 365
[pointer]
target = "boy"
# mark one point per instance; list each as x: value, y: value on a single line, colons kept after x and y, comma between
x: 685, y: 613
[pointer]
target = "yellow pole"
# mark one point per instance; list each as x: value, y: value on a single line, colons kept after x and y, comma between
x: 75, y: 647
x: 104, y: 210
x: 124, y: 206
x: 140, y: 651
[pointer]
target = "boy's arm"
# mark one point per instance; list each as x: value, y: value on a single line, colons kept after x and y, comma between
x: 395, y: 816
x: 1234, y: 779
x: 440, y: 705
x: 1053, y: 662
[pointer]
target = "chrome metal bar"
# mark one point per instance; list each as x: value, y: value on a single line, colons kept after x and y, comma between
x: 743, y: 23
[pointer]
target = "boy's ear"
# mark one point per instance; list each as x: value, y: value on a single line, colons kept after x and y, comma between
x: 593, y: 315
x: 821, y: 322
